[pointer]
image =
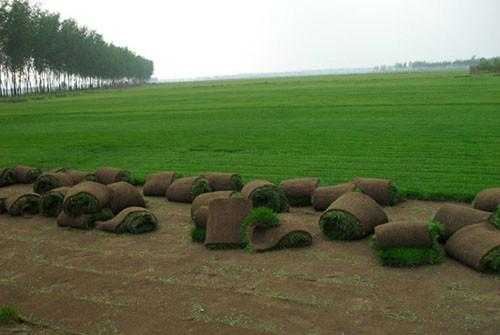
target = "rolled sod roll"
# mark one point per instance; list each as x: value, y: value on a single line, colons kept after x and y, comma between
x: 23, y: 205
x: 124, y: 195
x: 85, y: 221
x: 110, y: 175
x: 382, y: 191
x: 265, y: 194
x: 477, y: 246
x: 225, y: 222
x: 487, y: 200
x: 224, y: 181
x: 86, y: 198
x: 187, y: 189
x: 50, y: 181
x: 7, y: 177
x: 299, y: 191
x: 52, y: 202
x: 80, y: 176
x: 352, y: 216
x: 455, y: 217
x: 264, y: 230
x: 408, y: 243
x: 26, y: 174
x: 133, y: 220
x: 157, y: 184
x: 324, y: 196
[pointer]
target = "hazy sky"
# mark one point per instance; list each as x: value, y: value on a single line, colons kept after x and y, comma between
x: 192, y: 38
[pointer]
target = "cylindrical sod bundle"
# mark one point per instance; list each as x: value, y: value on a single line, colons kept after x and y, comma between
x: 110, y: 175
x: 26, y: 174
x: 187, y: 189
x: 324, y: 196
x: 52, y: 202
x: 7, y: 177
x: 224, y: 181
x: 157, y: 184
x: 299, y: 191
x: 124, y: 195
x: 263, y: 193
x: 353, y: 216
x: 382, y: 191
x: 50, y: 181
x: 22, y: 205
x: 86, y: 198
x: 132, y: 220
x: 487, y: 200
x: 408, y: 243
x: 455, y: 217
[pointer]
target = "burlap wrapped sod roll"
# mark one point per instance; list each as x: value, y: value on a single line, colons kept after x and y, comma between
x: 224, y: 181
x: 382, y: 191
x: 225, y: 222
x: 124, y: 195
x: 50, y: 181
x: 52, y: 202
x: 23, y: 204
x: 110, y: 175
x: 26, y: 174
x: 7, y: 177
x: 263, y: 193
x: 299, y: 191
x: 132, y: 220
x: 81, y: 176
x: 352, y: 216
x: 408, y: 243
x: 487, y: 200
x: 187, y: 189
x: 477, y: 246
x: 324, y: 196
x: 264, y: 230
x: 157, y: 184
x: 85, y: 221
x: 86, y: 198
x: 455, y: 217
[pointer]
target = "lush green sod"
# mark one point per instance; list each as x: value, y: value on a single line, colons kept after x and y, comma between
x: 435, y: 134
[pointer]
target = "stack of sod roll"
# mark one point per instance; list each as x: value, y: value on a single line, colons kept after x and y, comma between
x: 187, y: 189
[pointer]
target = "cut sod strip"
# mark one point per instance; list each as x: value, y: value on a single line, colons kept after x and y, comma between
x: 264, y: 230
x: 487, y: 200
x: 110, y: 175
x: 86, y: 198
x: 225, y: 222
x: 26, y: 174
x: 124, y: 195
x: 455, y: 217
x: 382, y: 191
x: 80, y: 176
x: 187, y: 189
x: 7, y: 177
x: 263, y: 193
x: 50, y: 181
x: 53, y: 201
x: 353, y: 216
x: 324, y: 196
x: 133, y: 220
x: 23, y: 205
x: 85, y: 221
x: 476, y: 246
x: 408, y: 243
x: 299, y: 191
x: 157, y: 184
x: 224, y: 181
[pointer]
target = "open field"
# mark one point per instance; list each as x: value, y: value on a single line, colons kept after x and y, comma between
x: 90, y: 282
x: 434, y: 134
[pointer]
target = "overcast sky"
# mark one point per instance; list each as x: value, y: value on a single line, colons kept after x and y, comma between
x: 193, y: 38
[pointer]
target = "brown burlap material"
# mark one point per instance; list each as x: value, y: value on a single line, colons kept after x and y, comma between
x: 100, y: 192
x: 455, y: 217
x: 205, y: 198
x: 158, y: 183
x: 487, y: 200
x: 225, y: 221
x: 252, y: 186
x: 366, y: 210
x: 220, y: 181
x: 9, y: 202
x: 78, y: 176
x: 378, y: 189
x: 80, y: 222
x: 114, y: 224
x: 299, y: 188
x: 324, y: 196
x: 403, y: 234
x: 181, y: 190
x: 107, y: 175
x: 124, y: 195
x: 470, y: 244
x: 23, y: 174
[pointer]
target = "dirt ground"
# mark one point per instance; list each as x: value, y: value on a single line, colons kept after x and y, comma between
x: 90, y: 282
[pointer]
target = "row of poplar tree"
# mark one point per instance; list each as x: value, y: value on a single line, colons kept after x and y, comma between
x: 40, y: 52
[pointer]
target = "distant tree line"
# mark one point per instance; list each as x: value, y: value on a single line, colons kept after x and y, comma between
x: 489, y: 65
x: 39, y: 53
x: 482, y: 65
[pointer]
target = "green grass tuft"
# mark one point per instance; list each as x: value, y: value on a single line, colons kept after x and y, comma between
x: 491, y: 262
x: 198, y: 235
x: 46, y: 183
x: 80, y: 204
x: 341, y: 226
x: 8, y: 315
x: 26, y: 205
x: 237, y: 183
x: 263, y: 217
x: 272, y: 197
x: 139, y: 223
x: 125, y: 176
x: 394, y: 195
x: 495, y: 218
x: 8, y: 178
x: 52, y: 204
x: 295, y: 240
x: 200, y: 186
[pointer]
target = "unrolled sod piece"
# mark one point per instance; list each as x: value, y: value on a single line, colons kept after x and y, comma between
x: 7, y: 177
x: 455, y: 217
x: 382, y: 191
x: 80, y: 176
x: 133, y: 220
x: 52, y: 202
x: 408, y: 243
x: 26, y: 174
x: 487, y: 200
x: 299, y: 191
x: 265, y: 194
x: 157, y: 184
x: 477, y: 246
x: 324, y: 196
x: 86, y: 221
x: 50, y: 181
x: 86, y: 198
x: 110, y: 175
x: 224, y: 181
x: 187, y: 189
x: 352, y: 216
x: 225, y: 222
x: 124, y: 195
x: 23, y: 205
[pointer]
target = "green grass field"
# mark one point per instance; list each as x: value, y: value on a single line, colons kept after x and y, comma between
x: 436, y: 135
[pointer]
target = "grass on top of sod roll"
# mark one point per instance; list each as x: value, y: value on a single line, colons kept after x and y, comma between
x: 495, y: 218
x: 28, y: 204
x: 81, y: 203
x: 337, y: 225
x: 200, y: 186
x: 198, y: 234
x: 491, y: 262
x: 272, y: 197
x: 52, y: 204
x: 138, y: 223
